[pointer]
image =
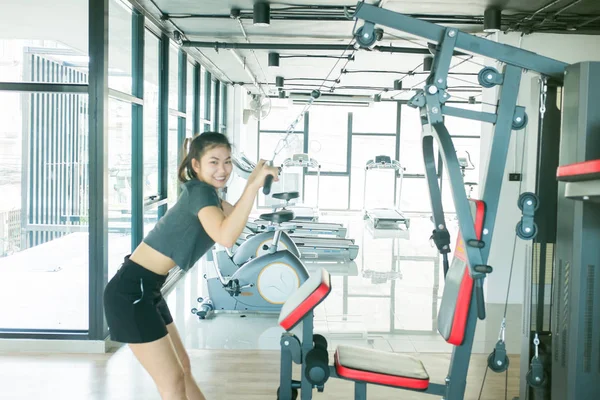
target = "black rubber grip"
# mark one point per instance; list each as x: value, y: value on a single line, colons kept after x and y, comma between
x: 267, y: 185
x: 480, y: 299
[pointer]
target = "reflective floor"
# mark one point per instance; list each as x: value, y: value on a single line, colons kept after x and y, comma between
x: 386, y: 299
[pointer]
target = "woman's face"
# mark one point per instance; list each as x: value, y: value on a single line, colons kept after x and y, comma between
x: 214, y: 167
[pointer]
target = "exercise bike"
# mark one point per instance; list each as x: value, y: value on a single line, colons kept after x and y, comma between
x: 260, y: 283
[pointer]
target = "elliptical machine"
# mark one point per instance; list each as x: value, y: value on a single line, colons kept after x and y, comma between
x: 261, y: 283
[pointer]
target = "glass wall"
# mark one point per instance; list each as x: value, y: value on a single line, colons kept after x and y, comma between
x: 49, y: 186
x: 44, y: 181
x: 338, y: 136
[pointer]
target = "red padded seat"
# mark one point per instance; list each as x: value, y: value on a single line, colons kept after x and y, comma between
x: 579, y: 171
x: 380, y: 367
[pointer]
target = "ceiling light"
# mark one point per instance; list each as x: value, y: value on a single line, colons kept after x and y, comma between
x: 397, y: 84
x: 492, y: 18
x: 273, y: 59
x: 279, y: 81
x: 262, y: 14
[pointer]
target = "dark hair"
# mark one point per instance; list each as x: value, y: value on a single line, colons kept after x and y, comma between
x: 194, y: 148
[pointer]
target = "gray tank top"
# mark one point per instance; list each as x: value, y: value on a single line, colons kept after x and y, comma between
x: 179, y: 233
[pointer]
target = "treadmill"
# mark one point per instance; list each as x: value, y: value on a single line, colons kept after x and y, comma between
x: 302, y: 212
x: 311, y: 247
x: 385, y: 218
x: 244, y: 167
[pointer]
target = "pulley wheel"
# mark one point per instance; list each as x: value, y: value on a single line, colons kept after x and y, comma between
x: 366, y: 37
x: 532, y: 382
x: 528, y: 196
x: 526, y: 235
x: 517, y: 126
x: 495, y: 367
x: 484, y: 79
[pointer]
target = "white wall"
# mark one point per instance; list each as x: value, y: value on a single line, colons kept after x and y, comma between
x: 566, y: 48
x: 242, y: 136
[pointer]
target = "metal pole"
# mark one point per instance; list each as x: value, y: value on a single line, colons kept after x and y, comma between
x: 98, y: 170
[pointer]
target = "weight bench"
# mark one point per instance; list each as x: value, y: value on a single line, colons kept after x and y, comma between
x: 457, y: 319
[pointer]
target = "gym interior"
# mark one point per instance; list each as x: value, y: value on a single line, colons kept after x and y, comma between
x: 439, y: 159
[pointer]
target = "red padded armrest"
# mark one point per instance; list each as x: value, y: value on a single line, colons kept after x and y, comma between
x: 579, y: 171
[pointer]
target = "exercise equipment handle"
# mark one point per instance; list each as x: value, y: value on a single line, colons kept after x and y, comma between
x: 267, y: 185
x: 479, y: 297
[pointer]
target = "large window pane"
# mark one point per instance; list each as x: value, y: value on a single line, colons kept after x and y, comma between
x: 173, y: 152
x: 293, y: 176
x: 173, y: 77
x: 281, y: 116
x: 468, y: 151
x: 379, y: 118
x: 151, y: 74
x: 44, y: 181
x: 213, y: 103
x: 190, y: 100
x: 41, y: 61
x: 119, y: 183
x: 202, y: 91
x: 464, y: 126
x: 120, y: 47
x: 415, y: 196
x: 333, y: 192
x: 328, y: 137
x: 380, y: 183
x: 411, y: 149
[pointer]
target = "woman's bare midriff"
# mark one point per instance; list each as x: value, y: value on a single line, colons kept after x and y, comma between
x: 151, y: 259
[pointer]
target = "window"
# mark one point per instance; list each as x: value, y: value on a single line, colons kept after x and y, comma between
x: 379, y: 118
x: 41, y: 61
x: 333, y: 192
x: 328, y: 137
x: 190, y: 100
x: 411, y: 148
x: 120, y: 47
x: 173, y: 77
x: 292, y: 180
x: 44, y: 217
x: 151, y: 101
x: 119, y: 183
x: 282, y: 116
x: 172, y: 162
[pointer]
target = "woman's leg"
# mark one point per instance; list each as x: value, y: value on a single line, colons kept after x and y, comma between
x: 191, y: 387
x: 160, y: 360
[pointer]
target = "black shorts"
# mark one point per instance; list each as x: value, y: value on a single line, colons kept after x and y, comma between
x: 135, y: 309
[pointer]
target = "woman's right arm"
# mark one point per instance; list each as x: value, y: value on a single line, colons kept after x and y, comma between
x: 225, y: 230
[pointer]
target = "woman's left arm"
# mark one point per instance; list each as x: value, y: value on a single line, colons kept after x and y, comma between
x: 227, y: 208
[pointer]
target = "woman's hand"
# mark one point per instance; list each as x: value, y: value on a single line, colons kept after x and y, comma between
x: 257, y: 177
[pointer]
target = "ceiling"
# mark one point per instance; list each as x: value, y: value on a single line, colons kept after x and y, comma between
x: 326, y: 22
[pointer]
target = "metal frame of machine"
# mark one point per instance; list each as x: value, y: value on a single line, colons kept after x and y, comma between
x: 508, y: 117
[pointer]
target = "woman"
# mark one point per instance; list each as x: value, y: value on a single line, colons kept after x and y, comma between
x: 135, y: 310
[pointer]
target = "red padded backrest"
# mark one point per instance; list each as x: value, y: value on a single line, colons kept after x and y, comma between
x: 305, y: 299
x: 458, y: 289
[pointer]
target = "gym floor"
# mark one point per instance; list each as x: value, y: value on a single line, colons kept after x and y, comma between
x: 378, y: 301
